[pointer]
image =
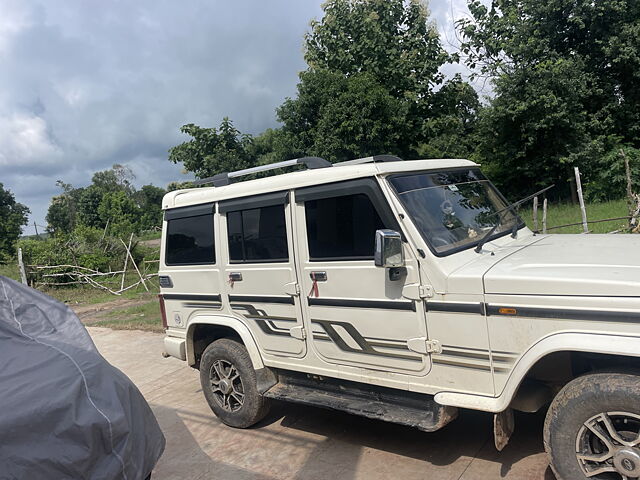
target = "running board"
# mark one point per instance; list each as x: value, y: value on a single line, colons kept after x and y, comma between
x: 387, y: 404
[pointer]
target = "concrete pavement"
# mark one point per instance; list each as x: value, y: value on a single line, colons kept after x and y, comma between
x: 305, y: 443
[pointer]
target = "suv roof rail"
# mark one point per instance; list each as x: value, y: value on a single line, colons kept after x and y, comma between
x: 374, y: 158
x: 222, y: 179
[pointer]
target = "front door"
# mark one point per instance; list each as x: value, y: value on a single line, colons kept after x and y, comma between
x: 259, y: 271
x: 354, y: 312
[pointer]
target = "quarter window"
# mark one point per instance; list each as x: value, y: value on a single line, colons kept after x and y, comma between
x: 258, y: 235
x: 342, y: 228
x: 190, y: 241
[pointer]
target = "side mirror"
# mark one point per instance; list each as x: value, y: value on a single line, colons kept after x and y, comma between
x: 388, y: 252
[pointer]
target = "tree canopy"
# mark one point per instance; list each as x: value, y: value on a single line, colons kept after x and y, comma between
x: 212, y: 150
x: 338, y: 117
x: 392, y: 40
x: 566, y: 79
x: 110, y: 199
x: 13, y: 216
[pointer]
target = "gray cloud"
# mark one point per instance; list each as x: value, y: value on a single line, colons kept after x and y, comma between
x: 85, y: 84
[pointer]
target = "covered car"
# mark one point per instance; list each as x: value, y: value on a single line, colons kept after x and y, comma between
x: 66, y: 412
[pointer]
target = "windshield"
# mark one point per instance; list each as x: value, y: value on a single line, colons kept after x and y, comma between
x: 453, y: 209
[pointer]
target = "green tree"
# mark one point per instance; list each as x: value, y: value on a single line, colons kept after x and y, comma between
x: 449, y: 129
x: 149, y: 202
x: 371, y: 85
x: 118, y: 177
x: 274, y: 145
x: 339, y: 118
x: 566, y: 81
x: 212, y: 150
x: 88, y: 204
x: 13, y: 216
x: 393, y: 40
x: 537, y: 128
x: 120, y: 211
x: 59, y: 218
x: 62, y: 213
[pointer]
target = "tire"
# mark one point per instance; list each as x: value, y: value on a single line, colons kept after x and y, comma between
x: 229, y: 384
x: 590, y: 416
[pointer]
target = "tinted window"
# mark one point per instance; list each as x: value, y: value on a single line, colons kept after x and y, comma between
x: 190, y: 240
x: 342, y: 227
x: 258, y: 234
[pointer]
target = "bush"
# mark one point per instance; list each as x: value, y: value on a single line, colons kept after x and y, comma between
x: 84, y: 247
x: 608, y: 180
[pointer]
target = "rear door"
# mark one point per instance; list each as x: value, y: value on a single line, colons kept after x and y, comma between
x: 189, y: 273
x: 259, y: 270
x: 355, y: 312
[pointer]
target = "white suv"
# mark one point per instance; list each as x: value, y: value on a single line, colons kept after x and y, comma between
x: 402, y: 291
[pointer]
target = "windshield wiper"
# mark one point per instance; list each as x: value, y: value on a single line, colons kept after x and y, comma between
x: 511, y: 207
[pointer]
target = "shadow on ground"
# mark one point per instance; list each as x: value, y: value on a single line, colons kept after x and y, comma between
x: 323, y: 444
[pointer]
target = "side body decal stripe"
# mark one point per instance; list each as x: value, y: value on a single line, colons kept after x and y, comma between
x: 196, y: 298
x: 261, y: 299
x: 455, y: 307
x: 342, y: 302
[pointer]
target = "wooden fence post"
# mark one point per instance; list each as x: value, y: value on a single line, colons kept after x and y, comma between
x: 583, y: 210
x: 633, y: 201
x: 544, y: 216
x: 23, y: 273
x: 627, y: 171
x: 535, y: 214
x: 126, y: 258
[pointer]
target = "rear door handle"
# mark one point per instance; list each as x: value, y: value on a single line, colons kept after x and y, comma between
x: 318, y: 276
x: 235, y: 277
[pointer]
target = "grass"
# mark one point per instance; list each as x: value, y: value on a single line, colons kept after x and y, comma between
x: 10, y: 270
x: 149, y: 235
x: 145, y: 316
x: 86, y: 295
x: 563, y: 213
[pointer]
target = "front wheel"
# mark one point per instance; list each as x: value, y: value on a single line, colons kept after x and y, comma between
x: 592, y: 428
x: 229, y: 384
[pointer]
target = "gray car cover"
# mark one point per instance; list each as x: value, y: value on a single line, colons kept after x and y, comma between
x: 65, y: 413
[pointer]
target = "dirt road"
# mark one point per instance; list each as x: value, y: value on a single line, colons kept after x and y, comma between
x: 301, y: 443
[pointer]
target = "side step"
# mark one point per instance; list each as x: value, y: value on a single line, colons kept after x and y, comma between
x: 387, y: 404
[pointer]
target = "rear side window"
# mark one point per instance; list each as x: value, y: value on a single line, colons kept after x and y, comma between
x: 258, y: 235
x: 190, y: 241
x: 342, y: 228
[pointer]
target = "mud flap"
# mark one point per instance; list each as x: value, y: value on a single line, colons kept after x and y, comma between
x: 266, y: 378
x: 503, y: 426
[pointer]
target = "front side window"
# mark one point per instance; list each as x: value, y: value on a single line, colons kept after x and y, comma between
x: 258, y: 235
x: 342, y: 228
x: 190, y: 241
x: 453, y: 209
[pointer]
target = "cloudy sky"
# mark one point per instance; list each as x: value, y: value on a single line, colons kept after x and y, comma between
x: 85, y: 84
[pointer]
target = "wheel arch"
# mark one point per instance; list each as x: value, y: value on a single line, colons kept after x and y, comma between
x: 204, y: 329
x: 570, y: 342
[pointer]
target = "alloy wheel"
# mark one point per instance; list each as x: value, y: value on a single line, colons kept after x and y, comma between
x: 226, y: 385
x: 608, y: 446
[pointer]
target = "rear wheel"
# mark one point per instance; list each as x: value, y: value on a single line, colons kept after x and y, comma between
x: 229, y: 384
x: 592, y: 429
